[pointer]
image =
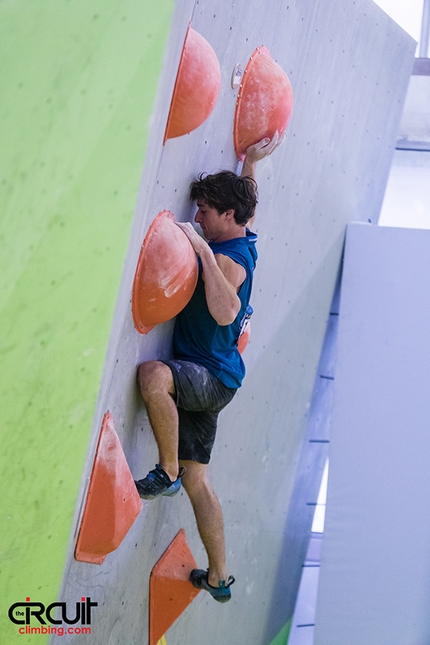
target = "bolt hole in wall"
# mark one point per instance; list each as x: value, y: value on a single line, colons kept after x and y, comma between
x: 406, y: 204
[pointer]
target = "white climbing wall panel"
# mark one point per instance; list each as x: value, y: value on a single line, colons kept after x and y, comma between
x: 375, y: 566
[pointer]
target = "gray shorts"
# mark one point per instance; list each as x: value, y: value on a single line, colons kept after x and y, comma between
x: 200, y: 397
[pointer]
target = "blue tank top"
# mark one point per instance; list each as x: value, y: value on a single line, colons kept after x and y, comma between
x: 198, y: 337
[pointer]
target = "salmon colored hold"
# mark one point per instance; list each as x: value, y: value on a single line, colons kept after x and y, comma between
x: 264, y: 103
x: 170, y: 591
x: 197, y: 86
x: 244, y: 339
x: 112, y: 503
x: 166, y: 274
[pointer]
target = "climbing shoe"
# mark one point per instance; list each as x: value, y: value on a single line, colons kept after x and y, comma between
x: 157, y: 482
x: 222, y: 593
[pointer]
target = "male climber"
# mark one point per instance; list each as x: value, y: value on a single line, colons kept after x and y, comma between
x: 184, y: 396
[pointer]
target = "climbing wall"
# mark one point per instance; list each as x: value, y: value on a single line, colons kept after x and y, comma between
x: 348, y: 66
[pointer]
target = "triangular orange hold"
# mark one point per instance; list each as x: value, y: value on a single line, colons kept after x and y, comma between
x: 170, y: 591
x: 112, y: 503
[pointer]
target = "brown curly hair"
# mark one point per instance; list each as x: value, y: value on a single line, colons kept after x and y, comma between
x: 224, y: 191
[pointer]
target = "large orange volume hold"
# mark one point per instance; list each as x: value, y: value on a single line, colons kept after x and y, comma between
x: 170, y: 591
x: 166, y: 274
x: 112, y: 503
x: 264, y: 103
x: 197, y: 86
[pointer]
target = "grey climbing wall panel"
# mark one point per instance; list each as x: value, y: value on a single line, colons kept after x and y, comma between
x: 349, y: 66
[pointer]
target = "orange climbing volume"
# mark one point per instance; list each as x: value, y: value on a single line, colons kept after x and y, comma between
x: 264, y: 103
x: 170, y: 591
x: 112, y: 503
x: 166, y: 274
x: 197, y: 86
